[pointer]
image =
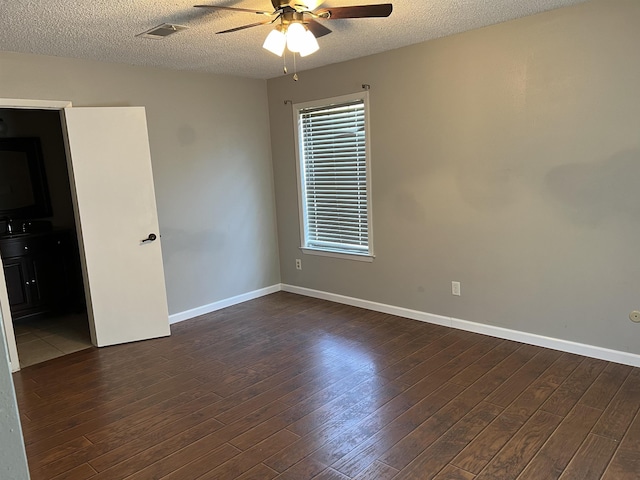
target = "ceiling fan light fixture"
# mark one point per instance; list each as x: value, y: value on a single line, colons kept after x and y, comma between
x: 296, y: 37
x: 310, y: 44
x: 275, y: 41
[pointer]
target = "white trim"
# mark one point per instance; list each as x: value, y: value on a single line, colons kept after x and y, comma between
x: 549, y: 342
x: 302, y: 214
x: 6, y: 322
x: 369, y: 160
x: 227, y: 302
x: 33, y: 104
x: 329, y: 253
x: 593, y: 351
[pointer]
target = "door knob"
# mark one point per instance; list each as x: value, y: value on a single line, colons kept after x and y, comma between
x: 150, y: 238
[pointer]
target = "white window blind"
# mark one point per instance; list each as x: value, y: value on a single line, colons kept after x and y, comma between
x: 333, y: 158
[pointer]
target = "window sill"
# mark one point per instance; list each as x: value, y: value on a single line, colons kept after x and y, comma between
x: 347, y: 256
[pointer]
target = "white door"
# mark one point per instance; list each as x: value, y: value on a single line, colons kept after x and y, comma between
x: 112, y: 183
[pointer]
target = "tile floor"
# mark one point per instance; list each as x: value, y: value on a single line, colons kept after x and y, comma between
x: 42, y: 338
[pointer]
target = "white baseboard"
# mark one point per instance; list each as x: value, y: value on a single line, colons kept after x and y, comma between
x: 593, y: 351
x: 227, y: 302
x: 377, y: 307
x: 616, y: 356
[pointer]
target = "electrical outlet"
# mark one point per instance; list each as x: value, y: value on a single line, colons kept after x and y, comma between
x: 455, y: 288
x: 298, y: 264
x: 635, y: 316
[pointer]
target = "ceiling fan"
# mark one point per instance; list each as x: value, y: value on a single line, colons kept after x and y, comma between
x: 298, y: 28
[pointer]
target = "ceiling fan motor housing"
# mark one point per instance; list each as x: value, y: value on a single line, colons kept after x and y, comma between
x: 278, y: 4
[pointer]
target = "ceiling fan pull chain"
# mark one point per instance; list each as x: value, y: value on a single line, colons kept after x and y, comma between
x: 295, y: 68
x: 284, y: 60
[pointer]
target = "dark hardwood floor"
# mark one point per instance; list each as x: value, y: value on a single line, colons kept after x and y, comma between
x: 291, y: 387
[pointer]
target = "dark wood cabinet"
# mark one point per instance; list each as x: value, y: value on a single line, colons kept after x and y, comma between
x: 16, y: 275
x: 41, y: 272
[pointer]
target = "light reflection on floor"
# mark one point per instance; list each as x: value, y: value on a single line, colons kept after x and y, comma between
x: 350, y: 373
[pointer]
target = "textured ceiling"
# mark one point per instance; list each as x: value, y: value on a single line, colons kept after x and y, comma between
x: 105, y: 30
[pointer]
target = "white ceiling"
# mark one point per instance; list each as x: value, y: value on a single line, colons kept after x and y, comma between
x: 105, y: 30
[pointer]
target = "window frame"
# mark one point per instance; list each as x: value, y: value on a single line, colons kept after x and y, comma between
x: 367, y: 256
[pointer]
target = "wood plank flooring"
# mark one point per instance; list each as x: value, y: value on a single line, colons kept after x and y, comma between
x: 290, y: 387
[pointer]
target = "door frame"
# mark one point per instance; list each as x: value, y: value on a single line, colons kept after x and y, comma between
x: 5, y: 312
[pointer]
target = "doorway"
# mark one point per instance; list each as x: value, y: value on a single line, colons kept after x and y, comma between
x: 113, y: 197
x: 39, y: 249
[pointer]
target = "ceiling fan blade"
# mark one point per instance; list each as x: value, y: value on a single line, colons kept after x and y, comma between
x: 244, y: 27
x: 317, y: 28
x: 359, y: 11
x: 233, y: 9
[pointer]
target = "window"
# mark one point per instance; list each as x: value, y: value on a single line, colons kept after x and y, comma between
x: 334, y: 186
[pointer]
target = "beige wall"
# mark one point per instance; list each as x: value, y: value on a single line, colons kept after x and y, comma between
x: 210, y: 150
x: 506, y: 158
